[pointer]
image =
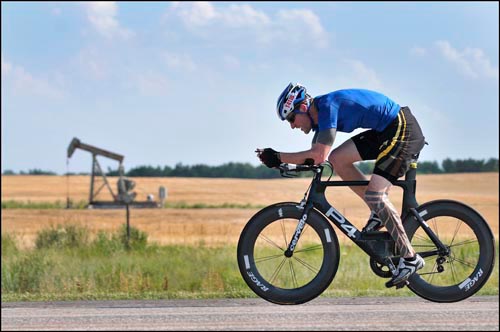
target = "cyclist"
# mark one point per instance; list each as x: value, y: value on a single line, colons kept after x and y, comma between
x: 394, y: 139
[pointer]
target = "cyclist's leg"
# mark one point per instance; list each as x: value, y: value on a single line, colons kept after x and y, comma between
x: 402, y: 139
x: 377, y: 198
x: 343, y: 159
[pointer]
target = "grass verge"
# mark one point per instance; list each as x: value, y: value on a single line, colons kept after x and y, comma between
x: 67, y: 264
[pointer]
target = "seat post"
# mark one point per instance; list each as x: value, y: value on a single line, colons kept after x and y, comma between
x: 410, y: 186
x: 411, y: 173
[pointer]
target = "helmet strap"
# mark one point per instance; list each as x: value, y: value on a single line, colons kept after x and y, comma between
x: 309, y: 104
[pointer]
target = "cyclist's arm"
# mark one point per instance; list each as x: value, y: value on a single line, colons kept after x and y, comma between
x: 321, y: 144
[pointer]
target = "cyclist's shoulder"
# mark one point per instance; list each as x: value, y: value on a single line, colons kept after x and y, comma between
x: 332, y: 100
x: 337, y: 95
x: 327, y: 98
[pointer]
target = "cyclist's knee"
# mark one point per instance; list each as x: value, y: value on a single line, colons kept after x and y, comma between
x: 344, y: 156
x: 334, y: 159
x: 339, y: 159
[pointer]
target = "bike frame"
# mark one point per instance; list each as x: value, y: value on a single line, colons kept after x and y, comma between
x: 377, y: 244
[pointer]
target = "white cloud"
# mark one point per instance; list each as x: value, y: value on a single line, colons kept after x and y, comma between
x: 24, y: 83
x: 202, y: 13
x: 302, y: 24
x: 363, y: 76
x: 93, y: 64
x: 195, y: 14
x: 471, y: 62
x: 243, y: 16
x: 179, y: 61
x: 102, y: 16
x: 200, y: 16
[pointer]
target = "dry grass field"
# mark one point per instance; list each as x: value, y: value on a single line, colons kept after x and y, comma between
x: 213, y: 226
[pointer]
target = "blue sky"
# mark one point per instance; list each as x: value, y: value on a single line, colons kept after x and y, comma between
x: 197, y: 82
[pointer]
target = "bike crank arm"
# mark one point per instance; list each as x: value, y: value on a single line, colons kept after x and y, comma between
x: 388, y: 262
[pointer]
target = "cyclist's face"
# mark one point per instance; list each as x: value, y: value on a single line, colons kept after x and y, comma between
x: 300, y: 120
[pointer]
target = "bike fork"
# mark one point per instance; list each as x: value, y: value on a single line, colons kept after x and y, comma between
x: 300, y: 227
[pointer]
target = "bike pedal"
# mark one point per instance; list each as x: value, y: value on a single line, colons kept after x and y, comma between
x: 399, y: 285
x: 402, y: 284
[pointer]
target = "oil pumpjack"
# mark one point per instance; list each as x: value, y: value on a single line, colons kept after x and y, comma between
x: 125, y: 195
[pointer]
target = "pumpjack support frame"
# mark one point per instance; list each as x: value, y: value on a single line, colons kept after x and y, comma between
x: 125, y: 195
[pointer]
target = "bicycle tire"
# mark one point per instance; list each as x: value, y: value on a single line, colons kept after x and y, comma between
x: 472, y: 251
x: 261, y: 254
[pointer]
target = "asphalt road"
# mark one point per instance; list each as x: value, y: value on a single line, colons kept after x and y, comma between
x: 478, y: 313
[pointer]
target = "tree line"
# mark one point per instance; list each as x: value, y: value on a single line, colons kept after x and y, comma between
x: 248, y: 171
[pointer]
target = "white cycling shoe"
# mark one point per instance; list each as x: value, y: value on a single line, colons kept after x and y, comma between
x: 405, y: 269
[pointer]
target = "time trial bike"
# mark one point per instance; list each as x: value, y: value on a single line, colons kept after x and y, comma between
x: 288, y: 253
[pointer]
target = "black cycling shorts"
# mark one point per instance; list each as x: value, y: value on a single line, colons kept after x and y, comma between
x: 394, y: 148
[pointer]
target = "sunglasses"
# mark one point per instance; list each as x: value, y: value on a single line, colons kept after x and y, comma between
x: 291, y: 116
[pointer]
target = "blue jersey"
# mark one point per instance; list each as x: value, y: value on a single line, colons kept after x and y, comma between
x: 350, y: 109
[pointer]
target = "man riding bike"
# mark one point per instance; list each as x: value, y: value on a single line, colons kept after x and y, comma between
x: 394, y: 139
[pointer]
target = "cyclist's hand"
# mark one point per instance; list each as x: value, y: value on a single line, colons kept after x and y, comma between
x: 269, y: 157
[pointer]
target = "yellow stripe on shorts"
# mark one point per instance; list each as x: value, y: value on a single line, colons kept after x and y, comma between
x: 401, y: 122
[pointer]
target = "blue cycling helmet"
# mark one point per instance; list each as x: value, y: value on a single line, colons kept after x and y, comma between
x: 290, y: 98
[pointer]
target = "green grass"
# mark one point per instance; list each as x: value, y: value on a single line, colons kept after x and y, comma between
x: 13, y: 204
x: 67, y: 264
